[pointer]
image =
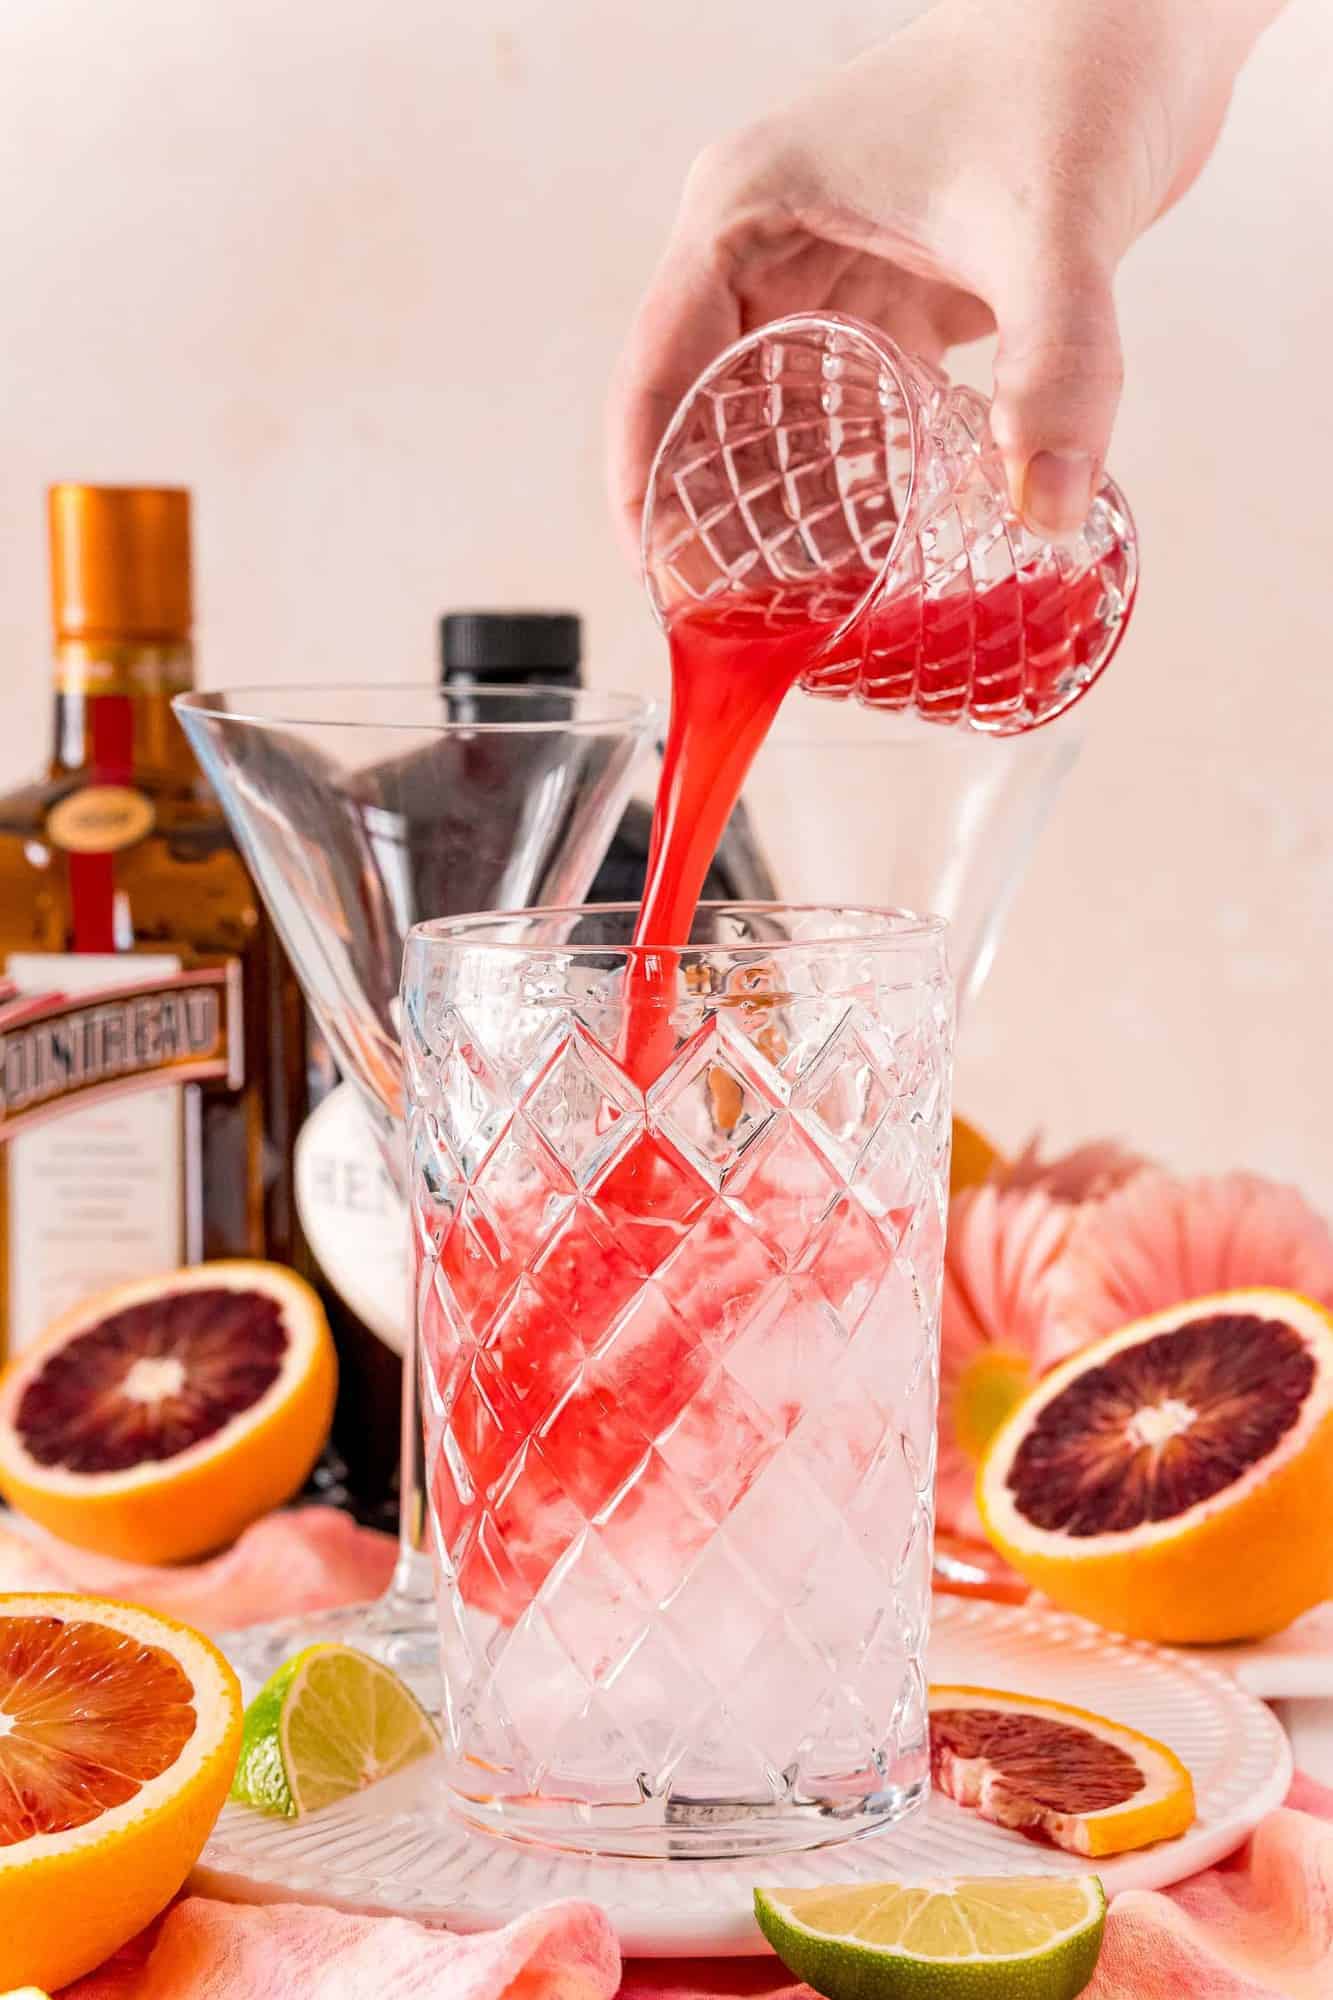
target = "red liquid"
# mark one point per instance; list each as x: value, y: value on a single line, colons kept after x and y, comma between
x: 583, y: 1351
x: 998, y: 654
x: 539, y: 1298
x: 1005, y: 655
x: 729, y: 678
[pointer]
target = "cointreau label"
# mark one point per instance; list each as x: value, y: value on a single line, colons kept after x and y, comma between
x: 101, y: 1168
x: 57, y: 1050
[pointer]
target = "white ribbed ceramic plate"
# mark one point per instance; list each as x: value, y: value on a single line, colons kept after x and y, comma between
x: 397, y: 1850
x: 1295, y: 1665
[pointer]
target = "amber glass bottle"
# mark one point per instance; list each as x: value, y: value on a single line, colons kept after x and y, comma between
x: 152, y: 1039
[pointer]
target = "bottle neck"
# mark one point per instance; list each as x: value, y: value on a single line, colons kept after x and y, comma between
x: 113, y: 715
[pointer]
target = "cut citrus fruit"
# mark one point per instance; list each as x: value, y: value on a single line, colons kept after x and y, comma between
x: 327, y: 1724
x: 1056, y: 1773
x: 157, y: 1420
x: 1173, y: 1480
x: 118, y: 1736
x: 1012, y: 1937
x: 973, y: 1158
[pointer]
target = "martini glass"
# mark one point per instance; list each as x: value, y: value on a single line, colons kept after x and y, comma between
x: 860, y: 805
x: 362, y: 811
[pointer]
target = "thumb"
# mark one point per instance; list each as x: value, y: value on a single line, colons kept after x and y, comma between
x: 1057, y: 383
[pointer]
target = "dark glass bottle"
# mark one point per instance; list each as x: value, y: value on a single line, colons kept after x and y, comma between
x: 545, y: 649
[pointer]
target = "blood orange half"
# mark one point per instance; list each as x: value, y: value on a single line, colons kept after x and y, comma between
x: 1175, y: 1480
x: 1058, y: 1774
x: 157, y: 1420
x: 119, y: 1731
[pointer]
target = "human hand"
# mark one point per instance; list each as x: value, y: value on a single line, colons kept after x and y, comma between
x: 984, y: 169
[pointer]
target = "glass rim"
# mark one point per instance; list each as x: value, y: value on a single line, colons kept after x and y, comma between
x: 917, y: 733
x: 858, y: 332
x: 613, y: 710
x: 452, y: 936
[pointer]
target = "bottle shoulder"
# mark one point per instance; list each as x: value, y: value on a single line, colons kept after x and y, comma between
x: 180, y: 882
x: 177, y: 799
x: 23, y: 807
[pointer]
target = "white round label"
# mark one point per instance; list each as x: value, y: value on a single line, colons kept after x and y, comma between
x: 353, y: 1217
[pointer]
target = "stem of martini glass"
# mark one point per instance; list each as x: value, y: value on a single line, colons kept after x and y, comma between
x: 412, y: 1581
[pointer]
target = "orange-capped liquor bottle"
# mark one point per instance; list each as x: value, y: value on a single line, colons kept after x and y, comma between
x: 152, y: 1038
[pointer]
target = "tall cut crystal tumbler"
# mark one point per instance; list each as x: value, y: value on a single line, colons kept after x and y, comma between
x: 678, y: 1228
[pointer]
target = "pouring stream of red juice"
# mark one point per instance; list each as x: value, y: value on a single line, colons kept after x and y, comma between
x: 731, y: 669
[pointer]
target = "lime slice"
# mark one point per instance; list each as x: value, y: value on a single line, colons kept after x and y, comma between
x: 328, y: 1723
x: 1008, y: 1937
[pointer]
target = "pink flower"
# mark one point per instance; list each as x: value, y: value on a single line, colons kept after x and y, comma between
x: 1004, y: 1244
x: 1158, y: 1241
x: 1087, y: 1173
x: 1001, y: 1252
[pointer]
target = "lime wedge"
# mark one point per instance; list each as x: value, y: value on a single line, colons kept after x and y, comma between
x: 1003, y: 1938
x: 328, y: 1723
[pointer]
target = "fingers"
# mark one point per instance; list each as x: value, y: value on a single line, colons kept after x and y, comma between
x: 693, y: 308
x: 1057, y: 383
x: 925, y: 316
x: 688, y: 316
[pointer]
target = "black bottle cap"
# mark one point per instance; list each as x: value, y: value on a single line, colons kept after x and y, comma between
x: 510, y: 648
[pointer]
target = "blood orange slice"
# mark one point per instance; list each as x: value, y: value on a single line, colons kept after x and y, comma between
x: 1175, y: 1479
x: 119, y: 1731
x: 157, y: 1420
x: 1057, y: 1774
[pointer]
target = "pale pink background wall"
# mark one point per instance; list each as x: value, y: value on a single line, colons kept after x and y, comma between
x: 357, y: 272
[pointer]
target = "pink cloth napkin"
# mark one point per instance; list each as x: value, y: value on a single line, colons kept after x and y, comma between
x: 1258, y: 1927
x: 308, y: 1559
x: 219, y: 1951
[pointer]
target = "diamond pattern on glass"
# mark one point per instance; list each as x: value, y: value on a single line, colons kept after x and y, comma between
x: 678, y: 1360
x: 578, y: 1102
x: 817, y: 473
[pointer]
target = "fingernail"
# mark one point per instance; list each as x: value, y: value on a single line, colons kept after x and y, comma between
x: 1057, y: 491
